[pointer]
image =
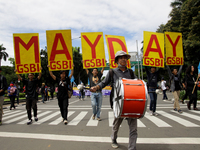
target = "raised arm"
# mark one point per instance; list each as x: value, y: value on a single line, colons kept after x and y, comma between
x: 40, y: 74
x: 103, y: 68
x: 51, y: 74
x: 72, y: 72
x: 18, y: 76
x: 180, y: 69
x: 169, y: 71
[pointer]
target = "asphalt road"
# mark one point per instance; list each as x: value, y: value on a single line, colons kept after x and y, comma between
x: 167, y: 131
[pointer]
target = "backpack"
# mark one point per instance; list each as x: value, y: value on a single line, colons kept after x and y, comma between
x: 111, y: 72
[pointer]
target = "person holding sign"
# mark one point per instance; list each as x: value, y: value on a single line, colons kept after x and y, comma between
x: 152, y: 77
x: 175, y: 85
x: 31, y: 99
x: 191, y: 81
x: 121, y: 58
x: 63, y: 83
x: 96, y: 97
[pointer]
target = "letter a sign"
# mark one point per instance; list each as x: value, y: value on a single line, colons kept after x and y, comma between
x: 153, y: 49
x: 59, y: 47
x: 27, y: 54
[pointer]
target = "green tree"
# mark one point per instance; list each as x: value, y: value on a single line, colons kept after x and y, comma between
x: 190, y: 22
x: 79, y: 73
x: 3, y: 54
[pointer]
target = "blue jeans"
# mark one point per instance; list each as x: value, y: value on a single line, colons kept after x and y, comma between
x: 164, y: 94
x: 153, y: 99
x: 96, y: 100
x: 43, y: 96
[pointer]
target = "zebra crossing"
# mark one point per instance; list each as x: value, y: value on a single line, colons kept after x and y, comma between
x: 186, y: 119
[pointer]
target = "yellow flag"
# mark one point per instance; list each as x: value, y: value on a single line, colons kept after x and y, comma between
x: 174, y: 48
x: 59, y: 50
x: 115, y: 44
x: 93, y: 52
x: 27, y: 54
x: 153, y: 49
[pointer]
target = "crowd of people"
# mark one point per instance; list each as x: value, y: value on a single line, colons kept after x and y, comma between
x: 189, y: 83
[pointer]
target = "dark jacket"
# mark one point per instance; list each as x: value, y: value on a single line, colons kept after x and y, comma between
x: 171, y: 78
x: 190, y: 83
x: 3, y: 84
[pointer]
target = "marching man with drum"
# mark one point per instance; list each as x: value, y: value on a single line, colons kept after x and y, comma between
x: 122, y: 71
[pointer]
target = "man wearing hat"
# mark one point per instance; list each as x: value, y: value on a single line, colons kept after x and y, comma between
x: 121, y: 58
x: 3, y: 87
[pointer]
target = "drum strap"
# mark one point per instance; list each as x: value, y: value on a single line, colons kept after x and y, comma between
x: 111, y: 72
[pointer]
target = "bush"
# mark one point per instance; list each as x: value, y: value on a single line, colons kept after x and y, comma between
x: 22, y: 95
x: 182, y: 93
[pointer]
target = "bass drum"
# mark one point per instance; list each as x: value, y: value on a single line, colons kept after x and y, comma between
x: 130, y: 98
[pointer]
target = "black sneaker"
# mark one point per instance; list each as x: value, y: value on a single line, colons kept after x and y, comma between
x: 114, y: 144
x: 29, y: 122
x: 175, y: 109
x: 36, y: 119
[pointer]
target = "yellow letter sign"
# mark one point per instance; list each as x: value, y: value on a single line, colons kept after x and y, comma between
x: 174, y: 48
x: 59, y: 48
x: 153, y: 49
x: 27, y: 54
x: 116, y: 43
x: 93, y: 50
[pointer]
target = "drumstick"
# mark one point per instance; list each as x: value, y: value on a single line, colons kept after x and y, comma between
x: 195, y: 85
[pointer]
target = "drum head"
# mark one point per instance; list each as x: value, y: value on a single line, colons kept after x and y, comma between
x: 118, y: 98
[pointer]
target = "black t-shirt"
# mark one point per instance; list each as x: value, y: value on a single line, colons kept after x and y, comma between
x: 43, y: 90
x: 94, y: 80
x: 63, y: 89
x: 30, y: 87
x: 177, y: 85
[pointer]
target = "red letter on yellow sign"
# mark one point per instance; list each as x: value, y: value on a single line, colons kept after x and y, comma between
x: 27, y: 55
x: 93, y: 50
x: 59, y: 47
x: 174, y: 48
x: 116, y: 43
x: 153, y: 49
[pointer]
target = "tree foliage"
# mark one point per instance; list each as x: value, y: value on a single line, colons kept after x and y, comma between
x: 3, y: 55
x: 185, y: 18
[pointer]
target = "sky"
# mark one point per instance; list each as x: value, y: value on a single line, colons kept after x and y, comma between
x: 128, y: 18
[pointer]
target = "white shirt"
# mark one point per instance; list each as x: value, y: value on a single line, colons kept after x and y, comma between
x: 163, y: 87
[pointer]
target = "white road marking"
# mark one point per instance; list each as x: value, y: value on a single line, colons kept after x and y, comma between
x: 158, y: 122
x: 47, y: 118
x: 16, y: 114
x: 140, y: 124
x: 40, y: 115
x: 10, y: 112
x: 178, y: 119
x: 189, y: 115
x: 110, y: 118
x: 78, y: 118
x: 59, y: 120
x: 194, y: 111
x: 182, y: 140
x: 15, y: 119
x: 92, y: 122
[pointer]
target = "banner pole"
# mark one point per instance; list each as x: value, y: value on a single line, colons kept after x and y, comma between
x: 138, y: 60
